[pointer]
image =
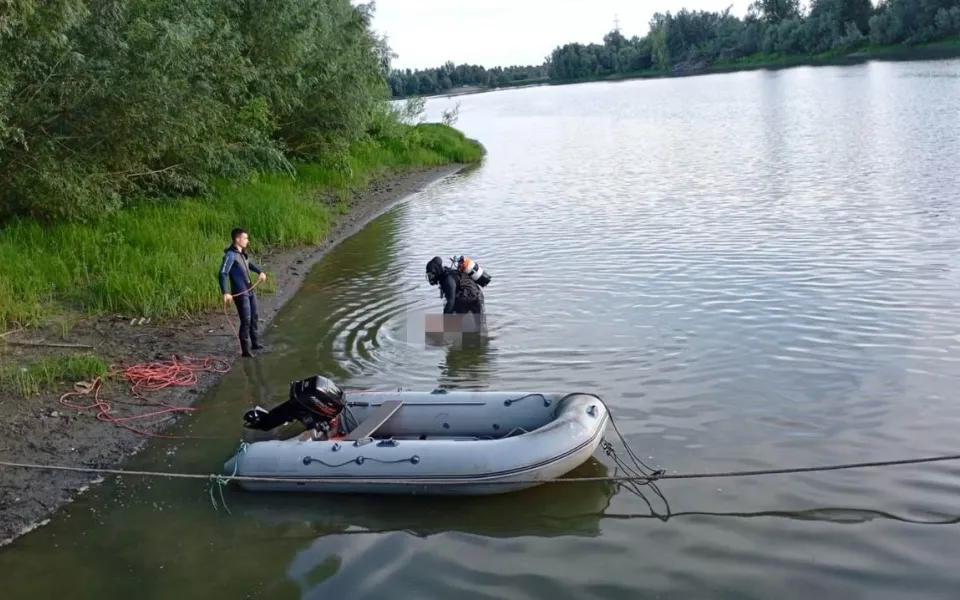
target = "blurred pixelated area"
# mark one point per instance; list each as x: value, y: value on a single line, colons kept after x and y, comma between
x: 437, y: 328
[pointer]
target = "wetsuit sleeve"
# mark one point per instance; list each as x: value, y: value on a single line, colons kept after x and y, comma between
x: 254, y: 267
x: 449, y: 288
x: 225, y: 265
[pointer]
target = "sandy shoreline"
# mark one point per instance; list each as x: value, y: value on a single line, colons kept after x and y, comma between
x: 41, y: 430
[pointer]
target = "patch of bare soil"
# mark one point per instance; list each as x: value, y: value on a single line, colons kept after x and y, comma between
x: 41, y: 430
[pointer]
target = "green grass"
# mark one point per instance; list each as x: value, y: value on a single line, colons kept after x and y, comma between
x: 45, y: 373
x: 160, y: 258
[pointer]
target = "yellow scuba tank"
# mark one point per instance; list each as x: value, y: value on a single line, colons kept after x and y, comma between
x: 475, y: 271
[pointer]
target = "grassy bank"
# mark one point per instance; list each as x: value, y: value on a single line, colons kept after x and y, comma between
x: 42, y: 374
x: 160, y: 258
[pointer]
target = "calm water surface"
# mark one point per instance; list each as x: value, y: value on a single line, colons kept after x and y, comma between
x: 755, y: 270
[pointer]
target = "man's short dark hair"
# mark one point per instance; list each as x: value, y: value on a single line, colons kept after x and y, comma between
x: 237, y: 232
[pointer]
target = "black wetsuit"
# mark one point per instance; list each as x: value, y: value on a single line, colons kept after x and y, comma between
x: 461, y: 294
x: 236, y: 267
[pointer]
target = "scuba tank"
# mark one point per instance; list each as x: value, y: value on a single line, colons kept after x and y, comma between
x: 475, y: 271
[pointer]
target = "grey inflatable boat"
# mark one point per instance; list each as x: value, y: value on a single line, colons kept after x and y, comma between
x: 409, y: 442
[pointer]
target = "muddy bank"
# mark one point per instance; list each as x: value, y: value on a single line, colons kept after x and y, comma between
x: 41, y: 430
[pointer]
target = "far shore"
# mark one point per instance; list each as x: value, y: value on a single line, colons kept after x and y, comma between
x: 941, y: 50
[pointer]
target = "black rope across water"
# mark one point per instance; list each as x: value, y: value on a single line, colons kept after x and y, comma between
x: 641, y: 474
x: 641, y: 479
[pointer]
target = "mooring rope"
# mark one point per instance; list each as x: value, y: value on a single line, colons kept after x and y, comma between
x: 452, y: 481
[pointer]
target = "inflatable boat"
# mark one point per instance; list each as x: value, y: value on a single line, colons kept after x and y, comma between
x: 412, y: 442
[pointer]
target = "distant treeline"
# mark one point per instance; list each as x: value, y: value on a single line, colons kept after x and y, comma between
x: 692, y: 40
x: 427, y: 82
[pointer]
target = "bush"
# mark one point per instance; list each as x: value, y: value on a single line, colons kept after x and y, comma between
x: 105, y: 102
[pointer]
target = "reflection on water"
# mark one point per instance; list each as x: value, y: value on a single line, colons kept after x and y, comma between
x: 754, y: 270
x: 542, y: 511
x: 256, y: 386
x: 468, y: 363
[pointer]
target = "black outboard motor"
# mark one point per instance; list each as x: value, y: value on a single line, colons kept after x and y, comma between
x: 315, y: 402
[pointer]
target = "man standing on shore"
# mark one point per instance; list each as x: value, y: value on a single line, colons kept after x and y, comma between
x: 236, y: 267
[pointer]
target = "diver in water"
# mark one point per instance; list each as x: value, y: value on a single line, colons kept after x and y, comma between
x: 460, y: 287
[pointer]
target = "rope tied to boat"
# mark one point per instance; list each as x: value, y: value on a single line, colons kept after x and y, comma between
x: 610, y: 479
x: 640, y: 473
x: 221, y: 481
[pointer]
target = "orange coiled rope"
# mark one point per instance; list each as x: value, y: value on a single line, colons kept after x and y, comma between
x: 152, y: 377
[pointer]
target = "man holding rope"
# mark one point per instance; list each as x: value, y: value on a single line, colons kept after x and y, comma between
x: 236, y: 266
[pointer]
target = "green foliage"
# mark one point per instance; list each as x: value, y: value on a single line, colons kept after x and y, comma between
x: 443, y: 140
x: 693, y: 40
x: 107, y: 101
x: 33, y: 377
x: 160, y: 258
x: 426, y: 82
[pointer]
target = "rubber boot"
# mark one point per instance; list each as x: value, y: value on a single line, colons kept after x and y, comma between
x: 244, y: 342
x: 255, y: 335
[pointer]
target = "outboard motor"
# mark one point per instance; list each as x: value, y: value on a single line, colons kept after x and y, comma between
x: 475, y: 271
x: 315, y: 402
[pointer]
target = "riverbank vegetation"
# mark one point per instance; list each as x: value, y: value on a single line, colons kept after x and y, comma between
x: 773, y: 33
x: 44, y: 373
x: 448, y: 77
x: 135, y: 133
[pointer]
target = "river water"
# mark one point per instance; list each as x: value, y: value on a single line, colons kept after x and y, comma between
x: 754, y: 270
